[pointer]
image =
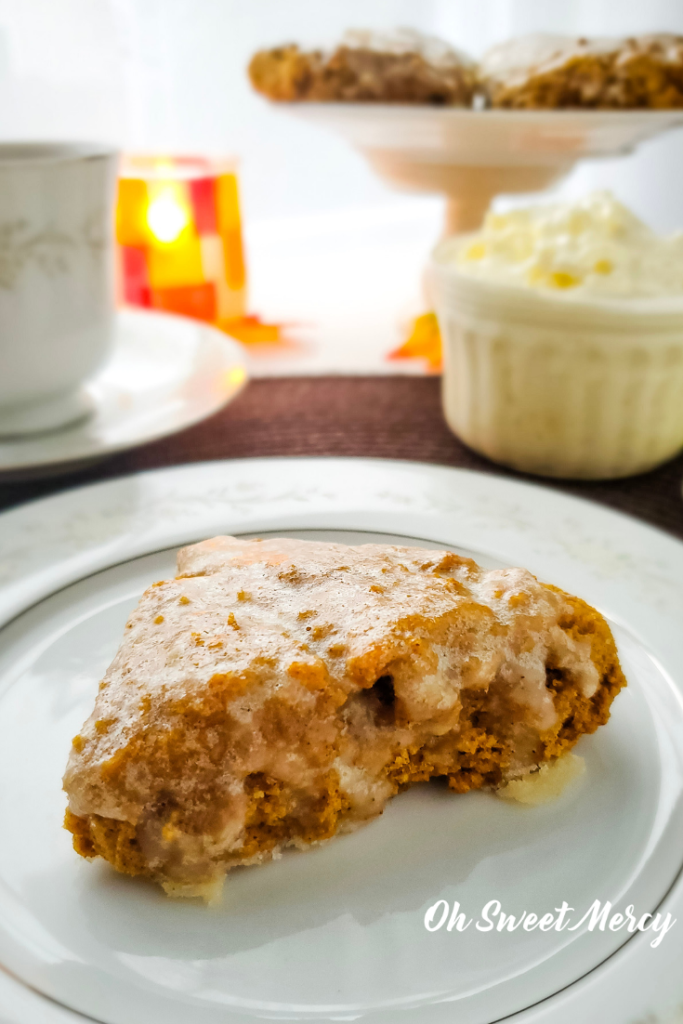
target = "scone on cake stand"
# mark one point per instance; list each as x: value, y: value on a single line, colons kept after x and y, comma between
x: 470, y: 156
x: 430, y: 119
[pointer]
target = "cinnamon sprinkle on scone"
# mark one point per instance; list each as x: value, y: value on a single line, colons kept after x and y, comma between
x: 230, y: 727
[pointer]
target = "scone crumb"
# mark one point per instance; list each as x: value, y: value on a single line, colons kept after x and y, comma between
x: 546, y: 784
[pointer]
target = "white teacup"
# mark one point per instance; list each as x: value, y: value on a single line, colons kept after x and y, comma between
x: 56, y: 279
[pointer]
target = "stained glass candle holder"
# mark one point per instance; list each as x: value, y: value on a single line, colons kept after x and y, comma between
x: 180, y: 237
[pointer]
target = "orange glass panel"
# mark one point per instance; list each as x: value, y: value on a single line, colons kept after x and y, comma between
x: 230, y: 229
x: 131, y: 213
x: 172, y: 266
x: 227, y: 203
x: 198, y: 302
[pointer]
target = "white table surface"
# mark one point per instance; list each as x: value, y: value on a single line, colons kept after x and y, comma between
x: 349, y: 282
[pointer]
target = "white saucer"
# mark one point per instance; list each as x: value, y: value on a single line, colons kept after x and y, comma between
x: 166, y: 373
x: 337, y: 933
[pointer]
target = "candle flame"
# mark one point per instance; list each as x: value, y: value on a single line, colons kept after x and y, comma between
x: 167, y: 217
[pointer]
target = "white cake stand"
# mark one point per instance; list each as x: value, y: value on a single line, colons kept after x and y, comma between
x: 471, y: 156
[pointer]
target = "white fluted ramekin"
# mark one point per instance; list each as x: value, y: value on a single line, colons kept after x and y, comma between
x: 589, y: 389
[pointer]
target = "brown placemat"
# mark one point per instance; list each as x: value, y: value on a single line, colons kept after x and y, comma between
x: 382, y: 417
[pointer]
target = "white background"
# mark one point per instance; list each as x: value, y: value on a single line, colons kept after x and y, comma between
x: 169, y: 74
x: 328, y: 243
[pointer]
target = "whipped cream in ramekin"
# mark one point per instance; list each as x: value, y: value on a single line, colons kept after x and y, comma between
x: 586, y: 249
x: 562, y: 330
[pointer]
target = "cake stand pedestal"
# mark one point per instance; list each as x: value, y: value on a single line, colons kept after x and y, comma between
x: 469, y: 190
x: 470, y: 156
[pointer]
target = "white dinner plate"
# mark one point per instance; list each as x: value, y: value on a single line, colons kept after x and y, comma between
x: 337, y: 933
x: 165, y: 373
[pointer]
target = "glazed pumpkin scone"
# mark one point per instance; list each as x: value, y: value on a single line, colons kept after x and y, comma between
x: 552, y: 72
x: 403, y: 67
x: 277, y: 692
